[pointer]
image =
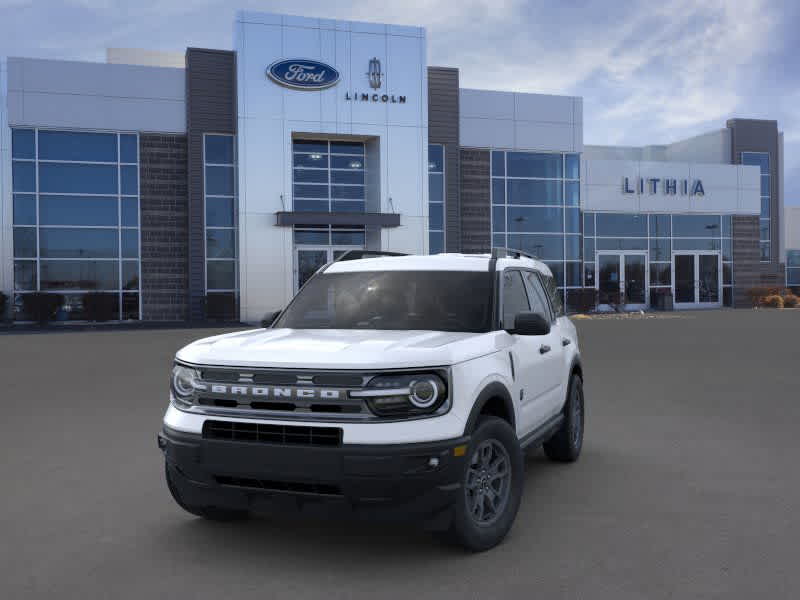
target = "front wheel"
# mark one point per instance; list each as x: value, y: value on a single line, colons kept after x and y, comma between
x: 487, y: 504
x: 566, y: 443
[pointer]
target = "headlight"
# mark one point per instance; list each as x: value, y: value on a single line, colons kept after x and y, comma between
x: 183, y: 383
x: 405, y: 395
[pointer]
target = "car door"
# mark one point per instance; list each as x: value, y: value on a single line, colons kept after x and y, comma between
x: 529, y: 388
x: 551, y: 350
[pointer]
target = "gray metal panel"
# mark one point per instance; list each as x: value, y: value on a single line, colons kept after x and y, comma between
x: 210, y: 108
x: 443, y: 128
x: 287, y: 219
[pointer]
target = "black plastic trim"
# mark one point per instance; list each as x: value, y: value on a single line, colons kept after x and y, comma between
x: 542, y: 433
x: 493, y: 390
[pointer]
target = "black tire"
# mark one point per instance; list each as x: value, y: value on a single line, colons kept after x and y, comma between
x: 482, y: 532
x: 212, y: 513
x: 566, y: 443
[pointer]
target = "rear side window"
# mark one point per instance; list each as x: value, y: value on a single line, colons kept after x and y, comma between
x: 515, y: 299
x: 554, y: 294
x: 537, y: 295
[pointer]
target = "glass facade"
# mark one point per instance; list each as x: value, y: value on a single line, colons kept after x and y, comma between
x: 76, y: 219
x: 328, y: 176
x: 793, y: 268
x: 761, y: 160
x: 536, y: 209
x: 436, y: 198
x: 221, y: 223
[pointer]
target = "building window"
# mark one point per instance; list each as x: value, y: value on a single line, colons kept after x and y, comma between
x: 76, y: 221
x: 328, y: 176
x: 761, y: 160
x: 436, y: 198
x: 221, y: 225
x: 536, y: 209
x: 793, y: 269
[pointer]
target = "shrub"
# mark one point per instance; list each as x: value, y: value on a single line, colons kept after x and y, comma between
x: 790, y: 301
x: 773, y: 301
x: 3, y: 306
x: 41, y: 306
x: 99, y: 306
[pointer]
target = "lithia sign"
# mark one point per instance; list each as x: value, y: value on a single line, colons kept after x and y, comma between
x: 667, y: 186
x: 306, y: 74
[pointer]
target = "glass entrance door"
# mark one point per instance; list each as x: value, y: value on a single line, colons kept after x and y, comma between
x: 309, y: 260
x: 697, y: 279
x: 622, y: 280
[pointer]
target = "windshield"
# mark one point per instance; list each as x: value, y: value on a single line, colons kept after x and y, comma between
x: 430, y: 300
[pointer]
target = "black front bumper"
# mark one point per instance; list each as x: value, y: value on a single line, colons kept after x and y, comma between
x: 399, y: 480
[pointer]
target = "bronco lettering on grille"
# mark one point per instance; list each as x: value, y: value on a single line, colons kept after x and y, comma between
x: 272, y: 392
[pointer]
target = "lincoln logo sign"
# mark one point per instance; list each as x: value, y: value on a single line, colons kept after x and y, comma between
x: 302, y: 74
x: 669, y: 187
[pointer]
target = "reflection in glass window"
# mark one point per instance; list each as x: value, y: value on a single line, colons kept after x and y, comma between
x: 220, y: 211
x: 436, y: 198
x: 78, y: 146
x: 762, y: 160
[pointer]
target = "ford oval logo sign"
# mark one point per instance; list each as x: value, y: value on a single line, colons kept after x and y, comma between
x: 303, y: 74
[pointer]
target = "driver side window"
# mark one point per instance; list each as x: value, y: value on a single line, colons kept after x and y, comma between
x: 515, y: 298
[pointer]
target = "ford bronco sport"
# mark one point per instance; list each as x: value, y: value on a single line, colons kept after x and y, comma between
x: 390, y: 385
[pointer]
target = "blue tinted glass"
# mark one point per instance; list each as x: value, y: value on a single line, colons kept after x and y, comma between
x: 23, y: 144
x: 74, y: 145
x: 573, y: 274
x: 219, y: 181
x: 130, y: 243
x: 547, y: 247
x: 621, y: 244
x: 342, y: 162
x: 130, y: 307
x: 628, y: 225
x: 588, y: 249
x: 24, y: 209
x: 311, y: 205
x: 347, y: 192
x: 727, y: 249
x: 77, y: 210
x: 660, y: 249
x: 759, y: 159
x: 436, y: 216
x: 79, y: 275
x: 320, y: 161
x: 535, y: 220
x: 572, y: 190
x: 78, y: 243
x: 588, y: 272
x: 129, y: 180
x: 436, y: 188
x: 499, y: 240
x: 529, y: 164
x: 77, y: 179
x: 727, y: 274
x: 572, y: 246
x: 435, y: 243
x: 527, y: 191
x: 219, y: 212
x: 24, y: 275
x: 310, y: 191
x: 727, y: 226
x: 660, y: 274
x: 793, y: 277
x: 766, y: 251
x: 435, y: 158
x: 221, y: 274
x: 128, y: 149
x: 130, y: 212
x: 498, y: 219
x: 311, y: 237
x: 23, y: 176
x: 498, y: 163
x: 347, y: 148
x: 765, y: 185
x: 130, y: 275
x: 309, y: 146
x: 558, y: 272
x: 793, y: 258
x: 573, y: 166
x: 348, y: 238
x: 660, y: 226
x: 25, y: 242
x: 219, y: 149
x: 498, y: 191
x: 348, y: 206
x: 588, y: 224
x: 572, y: 220
x: 765, y: 208
x: 695, y: 226
x: 220, y: 243
x: 695, y: 244
x: 314, y: 175
x: 764, y: 229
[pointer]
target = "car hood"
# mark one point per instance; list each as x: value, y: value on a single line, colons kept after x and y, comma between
x: 338, y: 348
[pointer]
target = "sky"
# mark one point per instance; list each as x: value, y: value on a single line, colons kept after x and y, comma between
x: 650, y: 72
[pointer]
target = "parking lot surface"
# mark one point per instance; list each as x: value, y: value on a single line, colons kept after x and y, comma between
x: 688, y: 485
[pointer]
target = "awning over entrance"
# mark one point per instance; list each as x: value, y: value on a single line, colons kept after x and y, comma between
x: 287, y: 219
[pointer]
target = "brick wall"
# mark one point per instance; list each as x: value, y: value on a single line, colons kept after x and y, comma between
x: 476, y: 216
x: 165, y: 231
x: 746, y: 253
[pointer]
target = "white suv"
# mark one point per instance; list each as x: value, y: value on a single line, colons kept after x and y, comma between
x: 390, y: 385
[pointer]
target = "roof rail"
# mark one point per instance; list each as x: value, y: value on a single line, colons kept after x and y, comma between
x: 359, y: 254
x: 498, y: 252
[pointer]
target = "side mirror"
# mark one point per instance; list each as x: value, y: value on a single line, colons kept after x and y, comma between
x: 530, y: 323
x: 269, y: 319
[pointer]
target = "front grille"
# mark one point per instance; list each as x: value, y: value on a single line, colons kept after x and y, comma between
x: 296, y: 487
x: 272, y: 434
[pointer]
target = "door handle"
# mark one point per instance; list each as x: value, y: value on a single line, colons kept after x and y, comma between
x: 565, y: 341
x: 544, y: 349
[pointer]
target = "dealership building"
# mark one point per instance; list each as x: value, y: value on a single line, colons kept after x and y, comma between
x: 212, y: 183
